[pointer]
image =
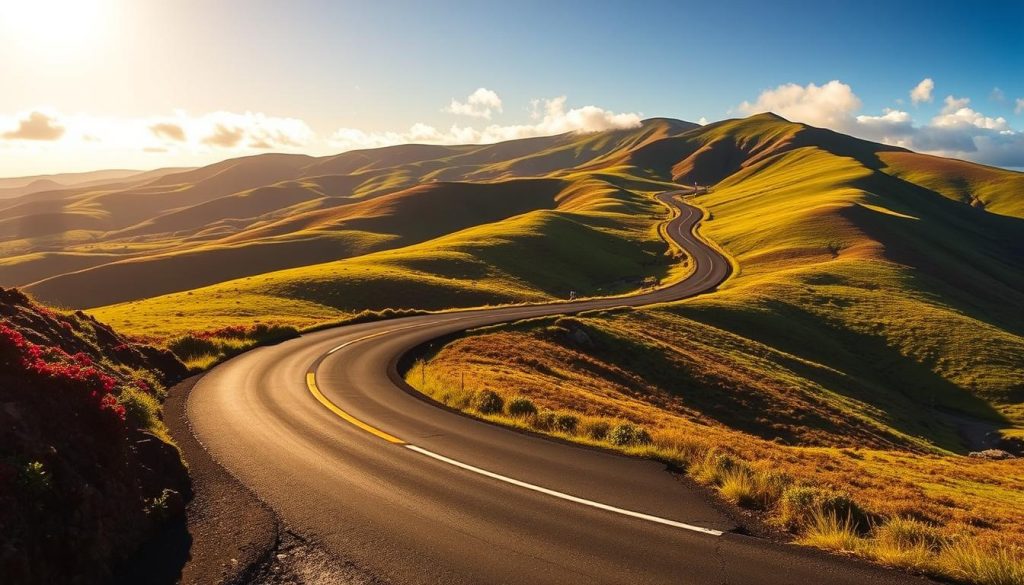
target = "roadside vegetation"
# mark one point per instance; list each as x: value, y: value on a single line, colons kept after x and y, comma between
x: 869, y: 339
x: 87, y: 470
x: 835, y: 385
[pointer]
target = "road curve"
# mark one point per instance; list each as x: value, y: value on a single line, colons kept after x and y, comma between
x: 413, y: 493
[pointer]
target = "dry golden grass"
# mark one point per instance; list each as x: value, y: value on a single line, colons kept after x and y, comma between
x: 872, y: 324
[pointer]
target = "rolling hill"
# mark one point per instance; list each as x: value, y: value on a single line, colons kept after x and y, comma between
x: 869, y: 338
x: 286, y: 210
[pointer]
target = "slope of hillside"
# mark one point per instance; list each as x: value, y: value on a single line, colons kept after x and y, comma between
x: 870, y: 338
x: 297, y: 239
x: 86, y: 472
x: 257, y: 214
x: 600, y: 240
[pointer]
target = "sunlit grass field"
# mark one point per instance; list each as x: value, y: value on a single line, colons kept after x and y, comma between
x: 483, y: 265
x: 870, y: 339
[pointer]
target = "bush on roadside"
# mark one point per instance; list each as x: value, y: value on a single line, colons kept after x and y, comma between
x: 566, y: 423
x: 628, y: 434
x: 544, y: 420
x: 489, y: 402
x: 596, y: 429
x: 800, y: 505
x: 521, y: 407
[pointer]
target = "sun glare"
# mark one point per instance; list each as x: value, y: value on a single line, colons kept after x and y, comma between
x: 54, y: 28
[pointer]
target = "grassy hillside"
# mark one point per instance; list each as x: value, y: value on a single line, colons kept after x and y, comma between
x: 87, y: 472
x: 599, y: 240
x: 257, y: 214
x: 870, y: 339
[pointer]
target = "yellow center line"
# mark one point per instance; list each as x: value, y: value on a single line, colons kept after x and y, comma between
x: 315, y: 390
x: 311, y: 382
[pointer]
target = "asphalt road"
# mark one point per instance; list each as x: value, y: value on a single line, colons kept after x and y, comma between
x: 413, y: 493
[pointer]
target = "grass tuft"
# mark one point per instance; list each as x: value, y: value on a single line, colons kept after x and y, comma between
x: 992, y: 565
x: 828, y: 530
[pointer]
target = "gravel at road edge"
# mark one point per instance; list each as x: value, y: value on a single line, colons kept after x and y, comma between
x: 236, y: 538
x: 233, y: 532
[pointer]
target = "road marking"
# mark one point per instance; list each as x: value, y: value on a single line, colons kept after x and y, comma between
x: 563, y: 496
x: 311, y: 382
x: 315, y: 390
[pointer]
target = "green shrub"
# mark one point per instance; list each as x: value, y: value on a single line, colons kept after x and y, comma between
x: 566, y: 423
x: 142, y: 409
x: 627, y: 434
x: 544, y: 420
x: 596, y: 429
x: 191, y: 346
x: 521, y: 407
x: 489, y: 402
x: 273, y: 333
x: 458, y: 398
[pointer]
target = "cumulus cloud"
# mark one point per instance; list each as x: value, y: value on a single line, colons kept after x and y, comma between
x: 252, y: 130
x: 832, y: 104
x: 225, y: 136
x: 548, y: 117
x: 180, y: 133
x: 957, y: 130
x: 480, y: 104
x: 964, y: 116
x: 891, y: 124
x: 168, y: 131
x: 36, y: 126
x: 1019, y: 108
x: 953, y: 104
x: 922, y: 92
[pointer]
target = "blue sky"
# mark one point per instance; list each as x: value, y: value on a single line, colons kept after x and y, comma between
x: 92, y: 78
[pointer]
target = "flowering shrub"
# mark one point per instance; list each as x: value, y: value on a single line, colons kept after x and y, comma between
x: 76, y: 371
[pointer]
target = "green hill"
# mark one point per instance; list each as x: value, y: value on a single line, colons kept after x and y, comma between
x: 248, y: 216
x: 869, y: 340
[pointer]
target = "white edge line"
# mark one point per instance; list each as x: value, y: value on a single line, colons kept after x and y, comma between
x: 563, y: 496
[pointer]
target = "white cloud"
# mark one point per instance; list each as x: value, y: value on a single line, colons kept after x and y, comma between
x: 179, y: 132
x: 892, y: 126
x: 35, y: 125
x: 922, y: 92
x: 251, y: 130
x: 480, y: 104
x: 957, y: 131
x: 549, y: 117
x: 967, y: 117
x: 703, y: 121
x: 953, y: 104
x: 1019, y: 108
x: 997, y: 95
x: 830, y: 105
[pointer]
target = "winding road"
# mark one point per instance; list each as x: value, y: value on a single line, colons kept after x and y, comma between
x: 322, y: 429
